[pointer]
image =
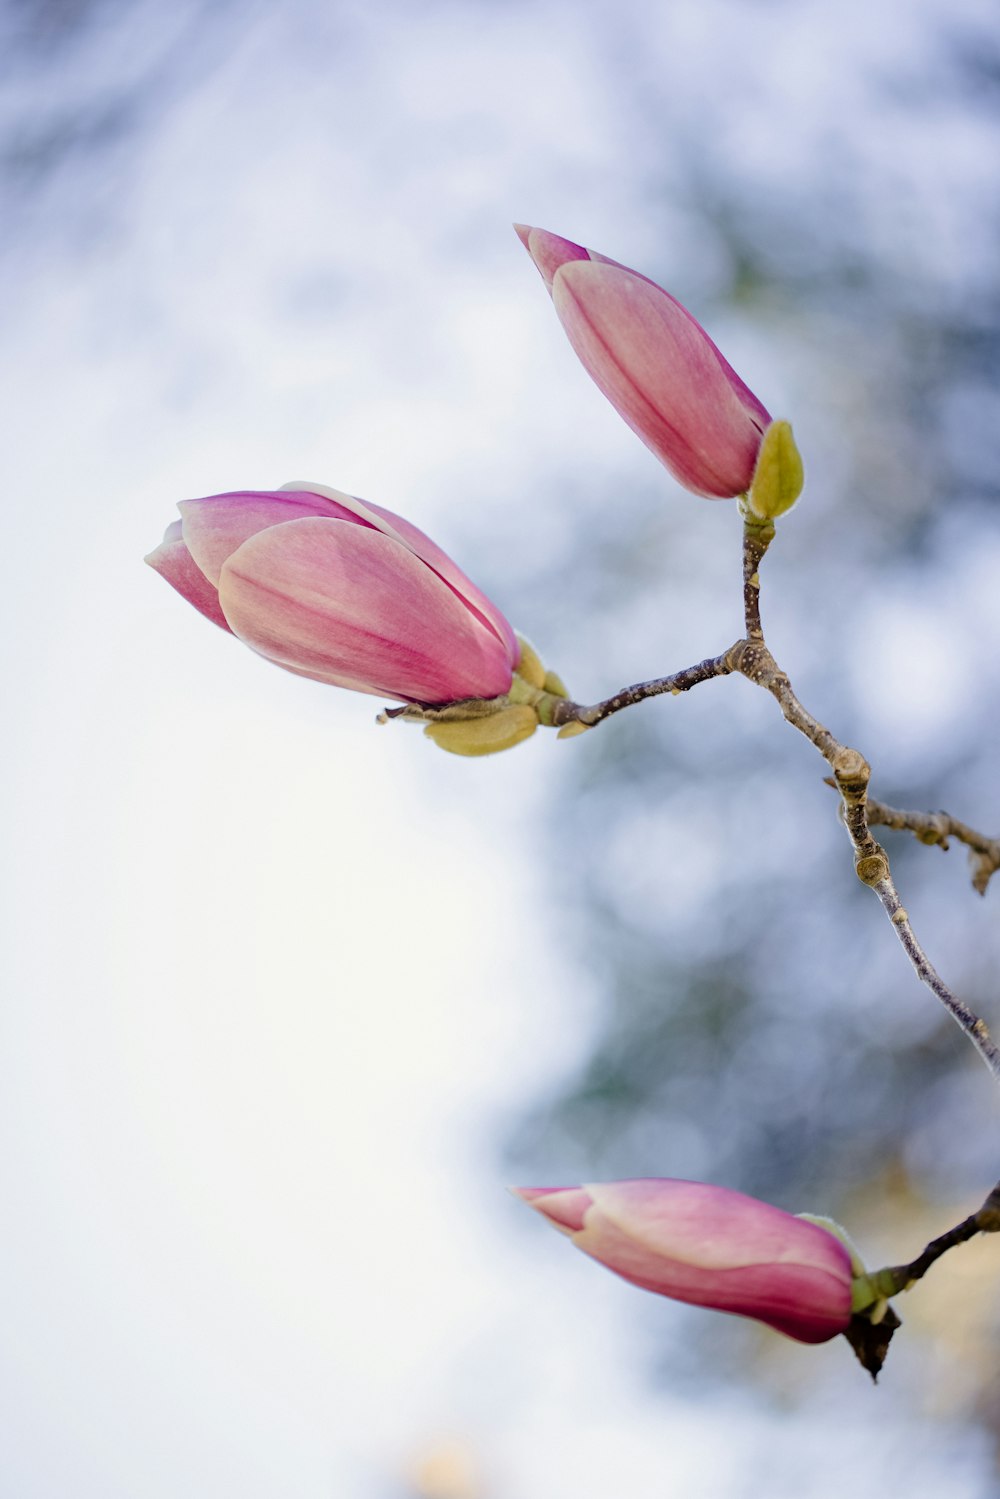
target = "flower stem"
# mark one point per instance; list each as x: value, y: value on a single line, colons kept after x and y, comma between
x: 757, y: 538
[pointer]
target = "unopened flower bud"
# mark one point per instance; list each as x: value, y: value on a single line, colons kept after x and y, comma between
x: 710, y: 1246
x: 330, y: 587
x: 656, y: 365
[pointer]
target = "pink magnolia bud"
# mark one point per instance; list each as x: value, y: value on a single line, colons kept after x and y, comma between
x: 709, y: 1246
x: 335, y: 589
x: 656, y: 365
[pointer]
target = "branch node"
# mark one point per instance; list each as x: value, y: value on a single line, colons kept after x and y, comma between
x: 872, y: 869
x: 852, y: 773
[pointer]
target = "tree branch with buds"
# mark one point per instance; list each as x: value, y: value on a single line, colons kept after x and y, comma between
x: 751, y: 658
x: 333, y: 588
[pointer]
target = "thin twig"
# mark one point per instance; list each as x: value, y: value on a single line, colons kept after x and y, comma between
x: 681, y: 681
x: 961, y: 1234
x: 975, y: 1028
x: 896, y: 1278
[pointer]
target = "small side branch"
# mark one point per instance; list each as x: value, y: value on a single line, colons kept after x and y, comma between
x: 938, y: 827
x: 985, y: 1221
x: 896, y: 1278
x: 961, y: 1234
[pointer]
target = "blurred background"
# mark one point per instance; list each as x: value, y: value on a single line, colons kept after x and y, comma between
x: 289, y: 998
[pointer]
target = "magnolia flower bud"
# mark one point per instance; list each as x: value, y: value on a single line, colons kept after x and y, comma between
x: 344, y: 592
x: 656, y: 365
x: 709, y: 1246
x: 330, y: 587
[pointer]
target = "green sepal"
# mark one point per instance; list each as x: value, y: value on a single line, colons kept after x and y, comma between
x: 485, y: 726
x: 485, y: 736
x: 778, y: 477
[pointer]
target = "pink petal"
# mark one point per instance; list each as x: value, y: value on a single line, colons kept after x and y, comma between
x: 215, y: 526
x: 423, y: 547
x: 710, y: 1247
x: 452, y: 574
x: 663, y: 374
x: 691, y: 1221
x: 349, y: 605
x: 712, y: 1226
x: 723, y: 1250
x: 172, y: 560
x: 805, y: 1301
x: 565, y: 1207
x: 549, y: 251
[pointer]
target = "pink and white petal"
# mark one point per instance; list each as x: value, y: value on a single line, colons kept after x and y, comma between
x: 429, y: 551
x: 755, y: 409
x: 325, y: 678
x: 662, y: 373
x: 350, y: 605
x: 805, y: 1301
x: 713, y: 1227
x: 422, y: 546
x: 692, y: 1222
x: 215, y: 526
x: 601, y: 1238
x: 549, y: 251
x: 346, y: 504
x: 564, y: 1207
x: 802, y: 1301
x: 172, y: 560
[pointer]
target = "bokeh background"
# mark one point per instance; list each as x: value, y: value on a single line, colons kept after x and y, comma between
x: 289, y: 998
